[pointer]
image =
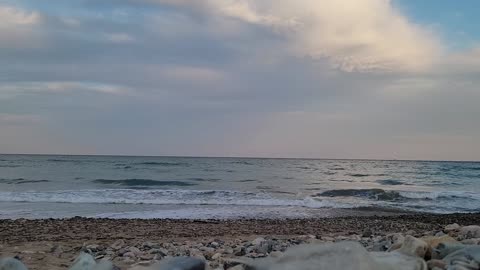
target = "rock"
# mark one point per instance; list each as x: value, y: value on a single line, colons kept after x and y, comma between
x: 180, y: 263
x: 436, y: 263
x: 433, y: 243
x: 135, y: 251
x: 239, y: 251
x: 380, y: 246
x: 444, y: 249
x: 398, y: 261
x: 413, y: 247
x: 161, y: 251
x: 118, y: 244
x: 467, y: 232
x: 216, y: 256
x: 129, y: 254
x: 237, y: 267
x: 367, y: 233
x: 147, y: 257
x: 150, y: 245
x: 258, y: 241
x: 343, y: 255
x: 94, y: 247
x: 467, y: 254
x: 11, y: 264
x: 57, y: 251
x: 104, y: 265
x: 214, y: 244
x: 451, y: 227
x: 276, y: 254
x: 471, y: 241
x: 83, y: 262
x: 264, y: 247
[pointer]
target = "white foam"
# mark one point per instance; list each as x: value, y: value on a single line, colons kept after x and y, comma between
x: 166, y: 197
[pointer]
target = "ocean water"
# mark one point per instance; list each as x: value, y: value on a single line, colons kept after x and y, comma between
x: 45, y: 186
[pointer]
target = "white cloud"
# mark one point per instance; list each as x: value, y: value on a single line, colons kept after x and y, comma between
x: 12, y: 17
x: 16, y: 26
x: 364, y: 35
x: 11, y: 89
x: 120, y: 38
x: 19, y: 119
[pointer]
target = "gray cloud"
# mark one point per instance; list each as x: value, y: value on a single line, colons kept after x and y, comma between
x: 163, y: 78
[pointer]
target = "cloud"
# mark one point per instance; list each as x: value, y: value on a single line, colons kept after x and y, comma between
x: 120, y: 38
x: 13, y: 17
x: 17, y: 26
x: 366, y: 35
x: 16, y: 88
x: 19, y: 119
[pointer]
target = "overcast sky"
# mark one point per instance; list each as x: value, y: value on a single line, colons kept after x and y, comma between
x: 383, y: 79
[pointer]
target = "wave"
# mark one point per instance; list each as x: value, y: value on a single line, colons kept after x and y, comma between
x: 18, y: 181
x: 393, y: 195
x: 167, y: 197
x: 141, y: 182
x: 391, y: 182
x: 358, y: 175
x: 200, y: 179
x: 165, y: 164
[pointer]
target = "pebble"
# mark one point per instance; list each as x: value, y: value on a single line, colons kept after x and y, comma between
x: 467, y: 232
x: 459, y: 249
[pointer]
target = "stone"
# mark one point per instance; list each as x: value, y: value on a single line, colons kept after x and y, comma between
x: 214, y: 244
x: 135, y: 251
x: 180, y: 263
x: 380, y: 246
x: 413, y: 247
x: 264, y: 247
x: 471, y: 241
x: 11, y: 264
x: 343, y: 255
x: 433, y: 243
x: 129, y: 254
x: 237, y: 267
x: 118, y: 244
x: 104, y: 265
x: 398, y: 261
x: 436, y: 263
x: 451, y: 227
x: 276, y: 254
x: 467, y: 232
x: 467, y: 254
x: 161, y: 251
x: 147, y: 257
x: 444, y: 249
x: 57, y: 251
x: 216, y: 256
x: 258, y: 241
x: 150, y: 245
x: 83, y: 262
x: 94, y: 247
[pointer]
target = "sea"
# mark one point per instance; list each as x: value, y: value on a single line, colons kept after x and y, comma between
x: 56, y: 186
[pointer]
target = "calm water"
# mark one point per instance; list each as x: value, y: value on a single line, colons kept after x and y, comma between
x: 34, y: 186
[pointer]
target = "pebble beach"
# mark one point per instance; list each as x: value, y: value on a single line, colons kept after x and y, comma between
x: 140, y: 244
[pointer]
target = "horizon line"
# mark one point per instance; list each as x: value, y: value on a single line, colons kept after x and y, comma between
x: 240, y: 157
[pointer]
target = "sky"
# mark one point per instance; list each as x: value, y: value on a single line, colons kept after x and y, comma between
x: 373, y: 79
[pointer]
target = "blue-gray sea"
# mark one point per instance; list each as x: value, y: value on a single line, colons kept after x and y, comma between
x: 54, y: 186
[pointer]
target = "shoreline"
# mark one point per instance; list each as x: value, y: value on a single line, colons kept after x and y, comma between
x: 80, y: 228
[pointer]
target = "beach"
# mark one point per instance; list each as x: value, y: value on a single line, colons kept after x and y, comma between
x: 54, y: 243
